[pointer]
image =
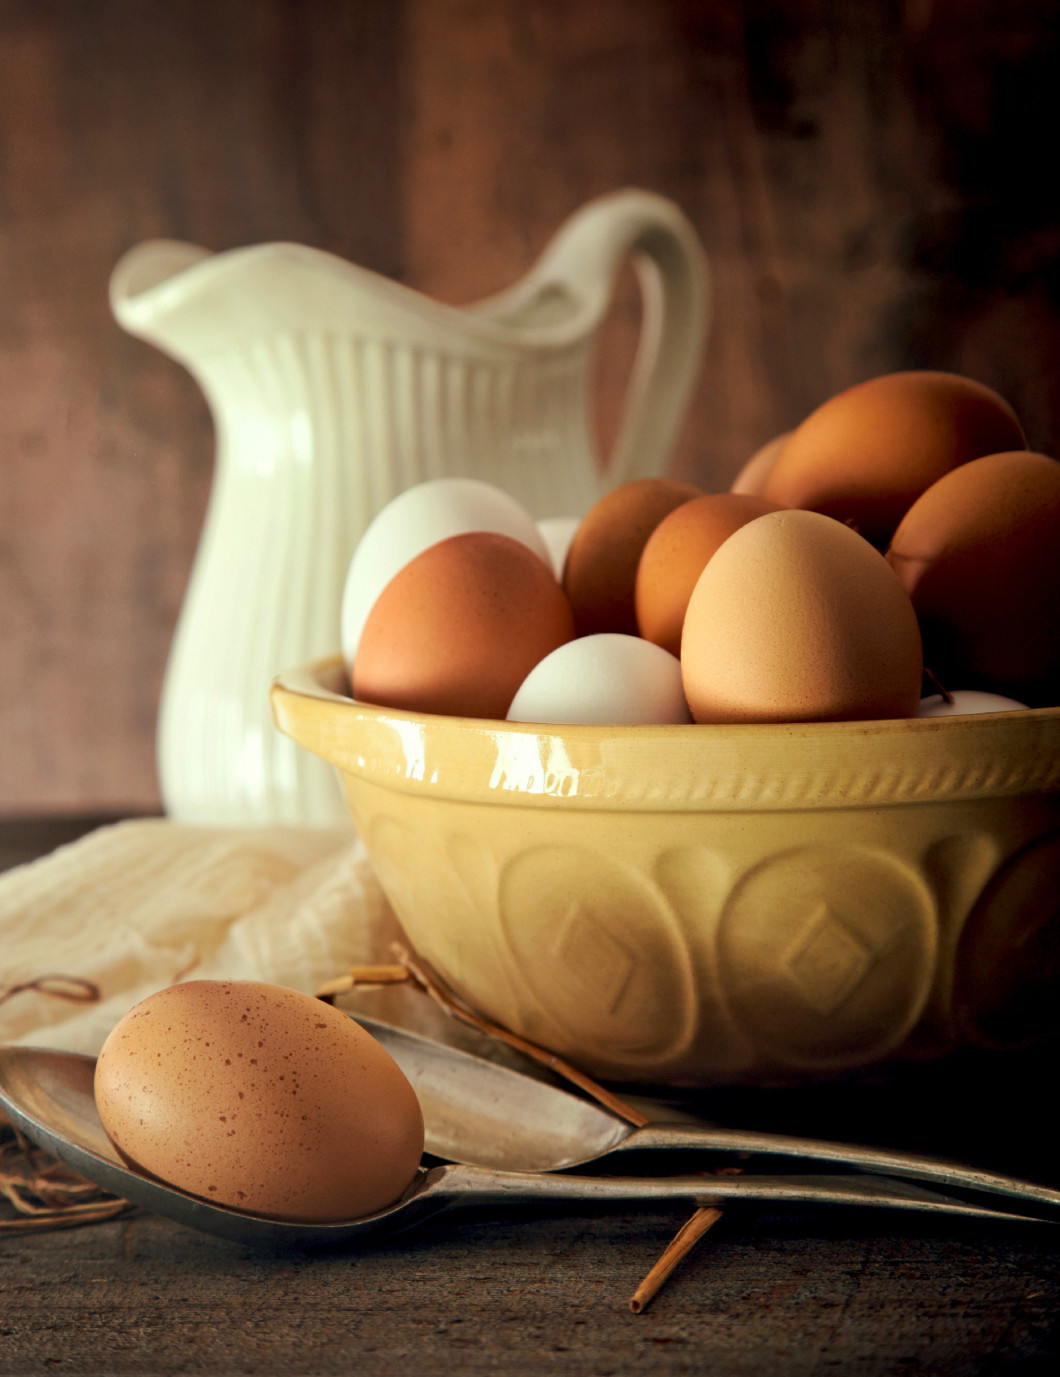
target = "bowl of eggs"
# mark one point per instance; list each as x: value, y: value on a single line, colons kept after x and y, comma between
x: 748, y: 787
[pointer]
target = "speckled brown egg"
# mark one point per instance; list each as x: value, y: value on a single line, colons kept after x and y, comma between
x: 979, y: 554
x: 259, y: 1098
x: 459, y: 628
x: 600, y: 573
x: 676, y: 554
x: 798, y: 619
x: 868, y: 453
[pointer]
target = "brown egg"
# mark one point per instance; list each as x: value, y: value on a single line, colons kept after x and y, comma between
x: 868, y: 453
x: 600, y: 573
x: 459, y: 628
x: 979, y: 554
x: 754, y: 474
x: 798, y: 619
x: 259, y: 1098
x: 677, y: 553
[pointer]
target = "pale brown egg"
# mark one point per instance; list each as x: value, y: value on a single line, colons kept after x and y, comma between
x: 676, y: 554
x: 259, y: 1098
x: 979, y: 554
x: 600, y: 573
x: 458, y: 628
x: 868, y: 453
x: 753, y: 476
x: 798, y: 619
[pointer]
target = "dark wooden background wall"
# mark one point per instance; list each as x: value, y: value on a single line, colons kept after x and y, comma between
x: 874, y: 181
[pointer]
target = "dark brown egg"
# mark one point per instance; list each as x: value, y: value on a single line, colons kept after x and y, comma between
x: 600, y: 574
x: 979, y: 555
x: 868, y: 453
x: 676, y: 554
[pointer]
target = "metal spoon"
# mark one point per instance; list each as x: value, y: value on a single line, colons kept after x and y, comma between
x: 487, y: 1115
x: 48, y: 1094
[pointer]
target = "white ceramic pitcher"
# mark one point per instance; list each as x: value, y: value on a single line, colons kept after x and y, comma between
x: 332, y: 390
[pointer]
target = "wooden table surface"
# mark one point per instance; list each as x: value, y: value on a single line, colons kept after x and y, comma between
x: 766, y: 1291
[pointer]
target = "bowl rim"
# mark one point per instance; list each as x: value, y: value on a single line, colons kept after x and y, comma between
x: 698, y: 767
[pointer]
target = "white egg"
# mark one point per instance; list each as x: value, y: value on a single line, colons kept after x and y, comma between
x: 605, y: 678
x: 557, y: 532
x: 966, y: 701
x: 419, y: 517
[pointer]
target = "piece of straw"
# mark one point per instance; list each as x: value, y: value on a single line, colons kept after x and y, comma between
x: 68, y: 1217
x: 945, y: 694
x: 420, y: 976
x: 45, y: 1193
x: 70, y: 987
x: 678, y: 1248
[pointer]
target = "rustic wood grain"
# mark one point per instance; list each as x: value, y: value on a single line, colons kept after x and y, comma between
x: 868, y: 181
x: 765, y: 1293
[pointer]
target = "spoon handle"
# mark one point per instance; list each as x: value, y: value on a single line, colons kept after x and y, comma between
x: 474, y: 1186
x: 886, y: 1160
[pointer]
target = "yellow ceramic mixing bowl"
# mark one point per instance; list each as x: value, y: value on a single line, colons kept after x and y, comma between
x: 704, y: 904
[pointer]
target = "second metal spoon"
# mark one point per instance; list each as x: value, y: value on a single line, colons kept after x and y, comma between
x: 484, y: 1114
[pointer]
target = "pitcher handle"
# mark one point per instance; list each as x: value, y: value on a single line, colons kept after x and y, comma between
x: 584, y: 257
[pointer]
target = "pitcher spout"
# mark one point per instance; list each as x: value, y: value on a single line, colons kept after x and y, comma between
x: 146, y: 286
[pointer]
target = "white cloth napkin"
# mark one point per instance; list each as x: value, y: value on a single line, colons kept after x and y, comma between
x: 138, y: 905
